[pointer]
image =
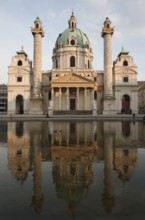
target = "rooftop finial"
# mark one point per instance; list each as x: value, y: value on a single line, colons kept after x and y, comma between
x: 122, y: 49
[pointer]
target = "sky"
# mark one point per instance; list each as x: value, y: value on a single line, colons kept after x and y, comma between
x: 18, y: 16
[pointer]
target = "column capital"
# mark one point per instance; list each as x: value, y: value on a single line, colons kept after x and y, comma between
x: 37, y: 29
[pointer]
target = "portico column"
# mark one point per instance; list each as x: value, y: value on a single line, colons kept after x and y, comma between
x: 85, y: 96
x: 59, y: 98
x: 78, y: 104
x: 67, y: 98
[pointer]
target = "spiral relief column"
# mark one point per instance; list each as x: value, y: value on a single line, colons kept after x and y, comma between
x: 107, y: 32
x: 36, y: 99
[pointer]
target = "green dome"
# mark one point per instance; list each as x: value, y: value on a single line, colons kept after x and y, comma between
x: 72, y: 36
x: 80, y: 38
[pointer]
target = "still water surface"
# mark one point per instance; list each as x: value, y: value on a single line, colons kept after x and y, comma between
x: 72, y: 170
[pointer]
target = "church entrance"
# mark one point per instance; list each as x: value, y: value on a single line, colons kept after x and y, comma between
x: 72, y: 104
x: 19, y: 104
x: 72, y: 92
x: 126, y: 104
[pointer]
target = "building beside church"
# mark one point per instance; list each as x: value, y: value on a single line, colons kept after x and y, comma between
x: 72, y: 86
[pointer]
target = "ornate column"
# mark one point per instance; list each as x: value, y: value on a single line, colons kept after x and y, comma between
x: 107, y: 33
x: 36, y: 99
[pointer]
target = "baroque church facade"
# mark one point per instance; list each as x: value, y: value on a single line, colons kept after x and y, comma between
x: 72, y: 86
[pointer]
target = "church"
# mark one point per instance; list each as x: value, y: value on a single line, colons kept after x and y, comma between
x: 72, y: 86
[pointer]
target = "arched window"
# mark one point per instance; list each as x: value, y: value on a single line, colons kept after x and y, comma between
x: 108, y: 26
x: 72, y: 61
x: 125, y: 63
x: 20, y: 63
x: 37, y: 25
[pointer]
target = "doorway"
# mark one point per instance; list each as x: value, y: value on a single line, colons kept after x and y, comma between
x: 19, y: 104
x: 126, y: 104
x: 72, y: 104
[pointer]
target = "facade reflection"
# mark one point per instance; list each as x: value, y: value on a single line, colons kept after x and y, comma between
x: 18, y: 138
x: 72, y: 160
x: 73, y: 148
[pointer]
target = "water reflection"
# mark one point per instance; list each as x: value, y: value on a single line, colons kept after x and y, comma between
x: 74, y: 149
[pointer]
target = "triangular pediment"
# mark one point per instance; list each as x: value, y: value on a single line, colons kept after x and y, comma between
x: 72, y: 78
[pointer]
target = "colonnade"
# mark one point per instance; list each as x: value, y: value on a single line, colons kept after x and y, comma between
x: 83, y: 98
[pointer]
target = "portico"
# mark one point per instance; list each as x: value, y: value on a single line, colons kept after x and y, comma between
x: 73, y: 93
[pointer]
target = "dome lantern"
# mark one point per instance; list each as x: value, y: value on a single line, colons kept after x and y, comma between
x: 72, y: 21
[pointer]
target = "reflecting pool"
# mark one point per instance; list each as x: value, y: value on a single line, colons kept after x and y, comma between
x: 72, y: 170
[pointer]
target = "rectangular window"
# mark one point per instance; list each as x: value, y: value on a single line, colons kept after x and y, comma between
x: 125, y: 79
x: 19, y: 79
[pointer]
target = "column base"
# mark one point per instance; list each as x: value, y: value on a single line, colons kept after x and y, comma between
x: 36, y: 106
x: 109, y: 106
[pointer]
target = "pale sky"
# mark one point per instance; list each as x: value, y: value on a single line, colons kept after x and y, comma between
x: 17, y: 17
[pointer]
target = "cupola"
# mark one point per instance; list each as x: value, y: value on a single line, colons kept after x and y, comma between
x: 38, y: 23
x: 72, y: 21
x: 107, y: 23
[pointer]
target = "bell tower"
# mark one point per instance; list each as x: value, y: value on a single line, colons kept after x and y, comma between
x: 36, y: 99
